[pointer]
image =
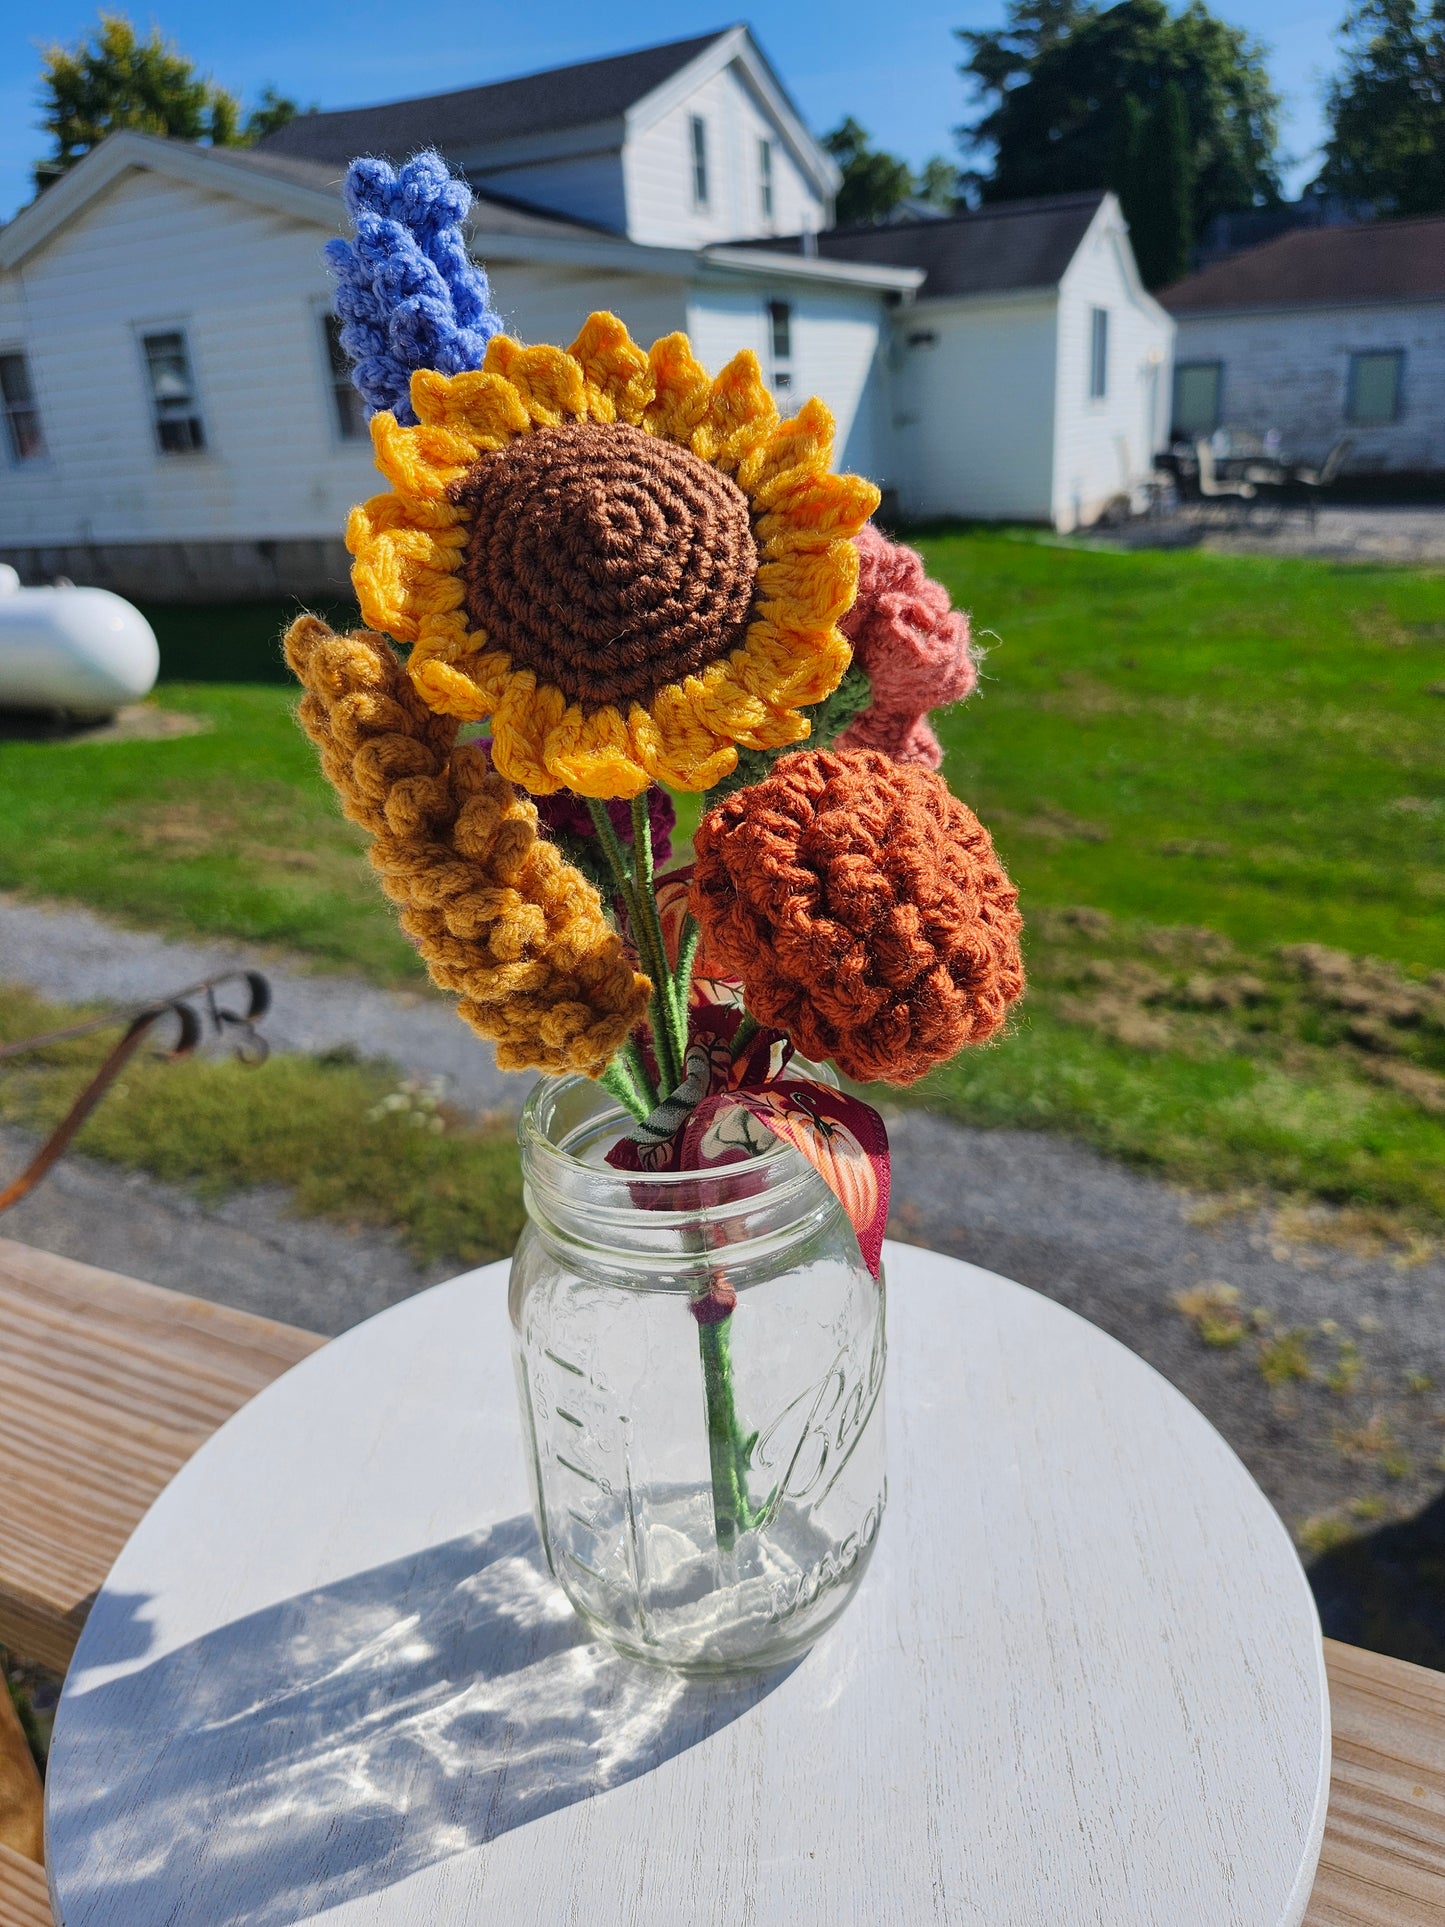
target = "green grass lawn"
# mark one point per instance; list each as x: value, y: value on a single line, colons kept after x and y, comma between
x: 1216, y: 756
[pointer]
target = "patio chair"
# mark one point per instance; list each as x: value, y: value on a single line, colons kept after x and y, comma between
x: 1314, y: 481
x: 1213, y: 487
x: 107, y: 1386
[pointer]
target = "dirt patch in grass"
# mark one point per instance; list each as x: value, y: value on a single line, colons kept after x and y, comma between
x: 352, y: 1141
x: 1304, y: 1069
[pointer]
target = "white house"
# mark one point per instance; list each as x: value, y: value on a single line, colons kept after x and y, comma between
x: 178, y: 421
x: 1030, y: 374
x: 1325, y: 334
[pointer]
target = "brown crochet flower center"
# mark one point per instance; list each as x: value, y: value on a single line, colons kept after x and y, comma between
x: 606, y: 560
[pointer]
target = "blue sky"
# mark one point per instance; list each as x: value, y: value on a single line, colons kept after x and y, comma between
x: 889, y: 62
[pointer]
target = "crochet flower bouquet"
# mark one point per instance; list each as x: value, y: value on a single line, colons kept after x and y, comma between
x: 637, y: 578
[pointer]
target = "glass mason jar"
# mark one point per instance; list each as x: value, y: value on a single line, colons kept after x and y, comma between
x: 708, y: 1484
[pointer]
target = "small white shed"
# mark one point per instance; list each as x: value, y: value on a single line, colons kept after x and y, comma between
x: 1031, y: 374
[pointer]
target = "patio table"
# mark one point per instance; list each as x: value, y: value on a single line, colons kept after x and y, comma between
x: 329, y: 1676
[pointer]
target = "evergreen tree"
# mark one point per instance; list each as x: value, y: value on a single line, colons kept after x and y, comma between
x: 112, y: 79
x: 1159, y: 209
x: 1054, y: 82
x: 1387, y: 108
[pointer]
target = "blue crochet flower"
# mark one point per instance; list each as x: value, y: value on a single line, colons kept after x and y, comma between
x: 408, y: 295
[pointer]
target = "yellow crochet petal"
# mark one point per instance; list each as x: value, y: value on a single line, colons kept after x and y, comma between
x: 617, y: 373
x: 519, y: 735
x: 400, y: 571
x: 816, y: 586
x: 593, y: 755
x: 682, y: 388
x: 818, y: 508
x: 739, y: 412
x: 801, y: 445
x: 549, y: 384
x: 446, y: 690
x: 420, y: 463
x: 485, y: 408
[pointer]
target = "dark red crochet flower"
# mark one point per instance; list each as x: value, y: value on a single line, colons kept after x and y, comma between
x: 914, y: 646
x: 863, y: 908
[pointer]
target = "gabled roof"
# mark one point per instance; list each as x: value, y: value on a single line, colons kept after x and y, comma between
x: 1322, y: 267
x: 491, y: 213
x: 310, y: 191
x: 473, y: 117
x: 1010, y: 246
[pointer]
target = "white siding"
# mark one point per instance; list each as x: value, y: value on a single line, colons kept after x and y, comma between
x: 1289, y: 372
x: 249, y: 289
x: 974, y: 408
x: 1103, y: 447
x: 835, y: 355
x: 551, y: 303
x: 658, y: 164
x: 588, y: 187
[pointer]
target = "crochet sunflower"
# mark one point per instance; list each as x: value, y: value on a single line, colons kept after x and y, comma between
x: 628, y: 568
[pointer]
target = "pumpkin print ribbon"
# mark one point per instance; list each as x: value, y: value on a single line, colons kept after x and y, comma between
x: 727, y: 1110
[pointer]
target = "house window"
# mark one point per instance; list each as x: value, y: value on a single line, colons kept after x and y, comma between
x: 1098, y: 353
x: 1197, y: 389
x: 174, y: 408
x: 698, y: 128
x: 22, y: 417
x: 780, y: 342
x: 765, y: 178
x: 350, y: 414
x: 1372, y: 396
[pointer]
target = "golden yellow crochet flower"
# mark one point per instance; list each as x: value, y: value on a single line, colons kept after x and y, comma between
x: 630, y: 568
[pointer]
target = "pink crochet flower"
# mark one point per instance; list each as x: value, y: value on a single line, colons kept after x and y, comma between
x: 914, y: 647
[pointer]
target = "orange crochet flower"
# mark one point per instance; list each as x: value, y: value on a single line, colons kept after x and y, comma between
x: 864, y: 910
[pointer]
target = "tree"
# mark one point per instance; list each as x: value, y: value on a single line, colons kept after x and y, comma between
x: 112, y: 79
x: 1054, y: 85
x: 1153, y: 179
x: 876, y: 183
x: 1387, y: 108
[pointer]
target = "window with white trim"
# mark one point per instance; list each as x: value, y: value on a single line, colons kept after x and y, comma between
x: 698, y: 135
x: 348, y: 411
x: 1098, y: 353
x: 23, y: 434
x: 765, y: 178
x: 175, y: 410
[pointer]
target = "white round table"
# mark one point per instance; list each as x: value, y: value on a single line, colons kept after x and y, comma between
x: 329, y: 1678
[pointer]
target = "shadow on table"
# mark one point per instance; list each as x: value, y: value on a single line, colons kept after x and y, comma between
x: 330, y: 1746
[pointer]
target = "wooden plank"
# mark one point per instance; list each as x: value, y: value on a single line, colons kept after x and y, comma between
x: 107, y: 1386
x: 1383, y: 1863
x: 24, y: 1899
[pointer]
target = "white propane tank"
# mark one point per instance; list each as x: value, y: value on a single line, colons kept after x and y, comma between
x: 84, y: 651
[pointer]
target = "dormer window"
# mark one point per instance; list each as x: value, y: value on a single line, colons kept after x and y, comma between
x: 698, y: 129
x: 765, y: 178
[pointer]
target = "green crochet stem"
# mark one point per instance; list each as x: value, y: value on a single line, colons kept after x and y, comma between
x: 627, y: 1078
x: 728, y: 1450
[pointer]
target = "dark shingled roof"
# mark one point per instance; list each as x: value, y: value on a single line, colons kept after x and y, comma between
x: 1015, y: 244
x: 594, y: 90
x: 492, y: 213
x: 1334, y: 266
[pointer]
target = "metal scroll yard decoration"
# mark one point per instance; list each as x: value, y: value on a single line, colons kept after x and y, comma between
x: 196, y: 1009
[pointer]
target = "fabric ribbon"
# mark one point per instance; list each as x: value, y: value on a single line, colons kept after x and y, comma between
x: 729, y: 1109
